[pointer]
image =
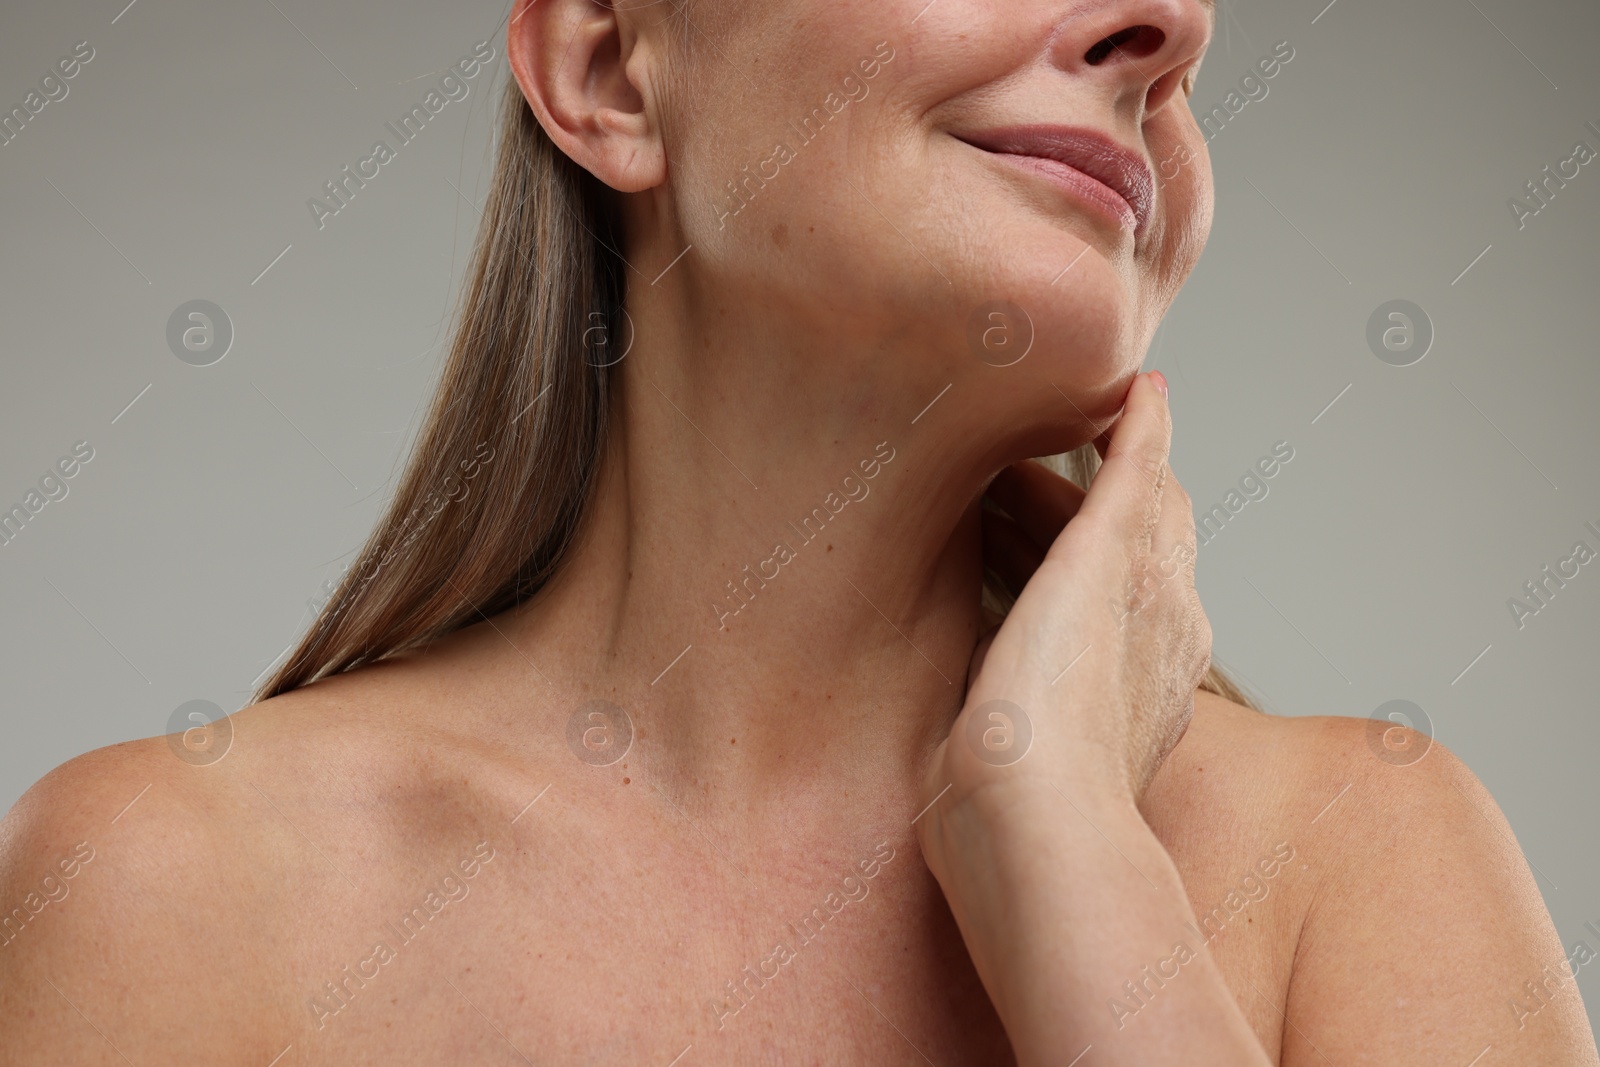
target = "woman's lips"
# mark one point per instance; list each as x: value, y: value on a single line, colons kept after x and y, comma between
x: 1075, y: 181
x: 1083, y: 162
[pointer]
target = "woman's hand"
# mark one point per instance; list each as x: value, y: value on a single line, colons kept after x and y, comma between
x: 1083, y: 691
x: 1099, y: 659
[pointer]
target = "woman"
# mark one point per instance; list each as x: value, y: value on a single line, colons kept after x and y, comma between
x: 653, y: 724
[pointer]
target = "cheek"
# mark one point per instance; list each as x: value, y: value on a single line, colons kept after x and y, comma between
x: 1201, y: 198
x: 1188, y: 203
x: 774, y: 91
x: 797, y: 198
x: 886, y: 231
x: 1201, y: 182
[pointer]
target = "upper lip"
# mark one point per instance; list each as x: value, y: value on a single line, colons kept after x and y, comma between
x: 1089, y: 151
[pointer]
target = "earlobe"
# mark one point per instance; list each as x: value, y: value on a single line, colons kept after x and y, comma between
x: 580, y: 65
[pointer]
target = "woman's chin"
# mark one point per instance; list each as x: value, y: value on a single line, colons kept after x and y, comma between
x: 1057, y: 406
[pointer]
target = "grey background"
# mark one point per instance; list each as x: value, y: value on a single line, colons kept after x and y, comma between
x: 1378, y: 167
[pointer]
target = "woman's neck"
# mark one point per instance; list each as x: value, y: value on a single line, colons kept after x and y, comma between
x: 778, y: 580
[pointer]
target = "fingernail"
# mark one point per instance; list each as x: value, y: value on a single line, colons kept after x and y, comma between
x: 1159, y: 380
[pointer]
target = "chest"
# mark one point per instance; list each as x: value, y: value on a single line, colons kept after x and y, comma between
x: 585, y: 939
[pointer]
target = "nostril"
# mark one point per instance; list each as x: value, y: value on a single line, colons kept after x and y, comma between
x: 1135, y: 42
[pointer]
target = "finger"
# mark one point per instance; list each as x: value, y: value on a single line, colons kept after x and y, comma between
x: 1125, y: 496
x: 1040, y: 500
x: 1172, y: 542
x: 1009, y: 551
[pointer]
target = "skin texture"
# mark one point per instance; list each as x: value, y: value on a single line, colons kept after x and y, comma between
x: 797, y: 744
x: 993, y: 834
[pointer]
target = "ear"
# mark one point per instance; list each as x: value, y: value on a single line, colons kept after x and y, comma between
x: 580, y: 66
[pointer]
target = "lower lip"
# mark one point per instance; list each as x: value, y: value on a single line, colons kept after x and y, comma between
x: 1076, y: 182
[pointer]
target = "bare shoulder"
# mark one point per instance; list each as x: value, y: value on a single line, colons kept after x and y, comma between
x: 134, y: 792
x: 1419, y: 933
x: 348, y: 753
x: 108, y: 869
x: 1345, y: 777
x: 146, y: 878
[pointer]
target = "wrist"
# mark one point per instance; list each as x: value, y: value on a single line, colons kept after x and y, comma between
x: 1042, y: 881
x: 1085, y: 772
x: 1025, y: 831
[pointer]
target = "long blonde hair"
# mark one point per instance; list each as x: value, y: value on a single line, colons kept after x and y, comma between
x: 499, y: 477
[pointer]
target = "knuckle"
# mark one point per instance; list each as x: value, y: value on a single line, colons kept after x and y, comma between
x: 1151, y: 456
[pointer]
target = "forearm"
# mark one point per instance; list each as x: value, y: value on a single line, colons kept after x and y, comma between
x: 1066, y: 900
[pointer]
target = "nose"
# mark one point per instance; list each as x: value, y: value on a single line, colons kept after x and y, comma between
x: 1138, y: 48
